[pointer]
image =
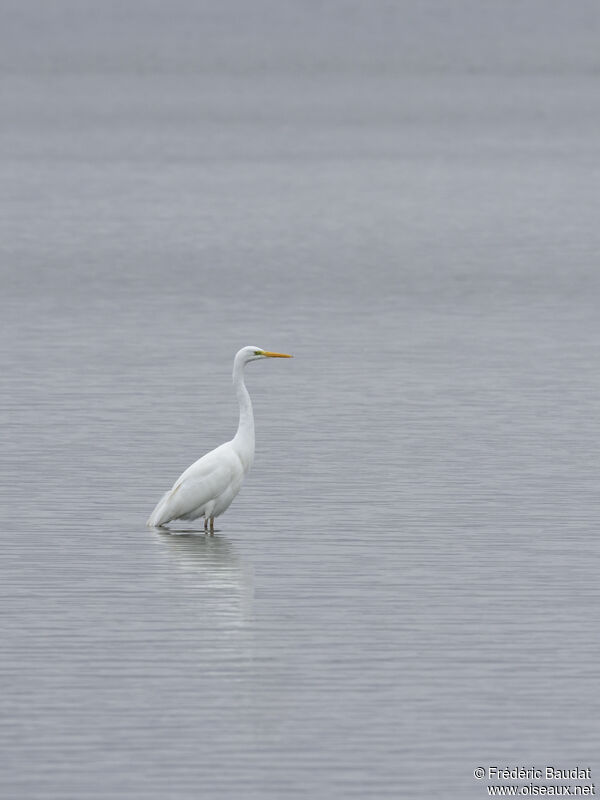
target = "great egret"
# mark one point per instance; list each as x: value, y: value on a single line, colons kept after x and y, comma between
x: 207, y: 488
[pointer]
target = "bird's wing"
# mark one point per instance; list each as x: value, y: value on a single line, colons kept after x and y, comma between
x: 203, y: 481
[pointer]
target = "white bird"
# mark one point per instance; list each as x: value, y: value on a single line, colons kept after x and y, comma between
x: 207, y: 487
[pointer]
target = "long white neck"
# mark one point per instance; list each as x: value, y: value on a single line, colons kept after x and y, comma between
x: 244, y: 438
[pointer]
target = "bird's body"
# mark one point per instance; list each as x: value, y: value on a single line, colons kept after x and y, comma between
x: 207, y: 487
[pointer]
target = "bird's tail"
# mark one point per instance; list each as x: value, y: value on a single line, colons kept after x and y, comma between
x: 156, y: 517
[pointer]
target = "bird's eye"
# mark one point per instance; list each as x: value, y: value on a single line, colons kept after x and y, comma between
x: 258, y: 352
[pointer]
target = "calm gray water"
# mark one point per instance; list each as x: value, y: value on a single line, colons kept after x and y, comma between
x: 406, y: 199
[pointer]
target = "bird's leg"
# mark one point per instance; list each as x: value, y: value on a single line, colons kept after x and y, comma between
x: 212, y: 526
x: 205, y: 523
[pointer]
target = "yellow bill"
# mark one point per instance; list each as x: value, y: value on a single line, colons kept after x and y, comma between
x: 275, y: 355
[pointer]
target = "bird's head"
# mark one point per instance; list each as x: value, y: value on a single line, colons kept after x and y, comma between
x: 251, y: 353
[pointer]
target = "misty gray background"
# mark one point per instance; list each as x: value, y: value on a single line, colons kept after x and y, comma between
x: 405, y: 197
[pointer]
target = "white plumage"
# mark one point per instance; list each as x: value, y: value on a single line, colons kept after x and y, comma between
x: 207, y: 487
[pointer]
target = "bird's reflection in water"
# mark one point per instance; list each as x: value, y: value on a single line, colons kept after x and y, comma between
x: 211, y: 567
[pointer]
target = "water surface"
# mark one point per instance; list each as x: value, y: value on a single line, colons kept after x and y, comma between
x: 407, y: 586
